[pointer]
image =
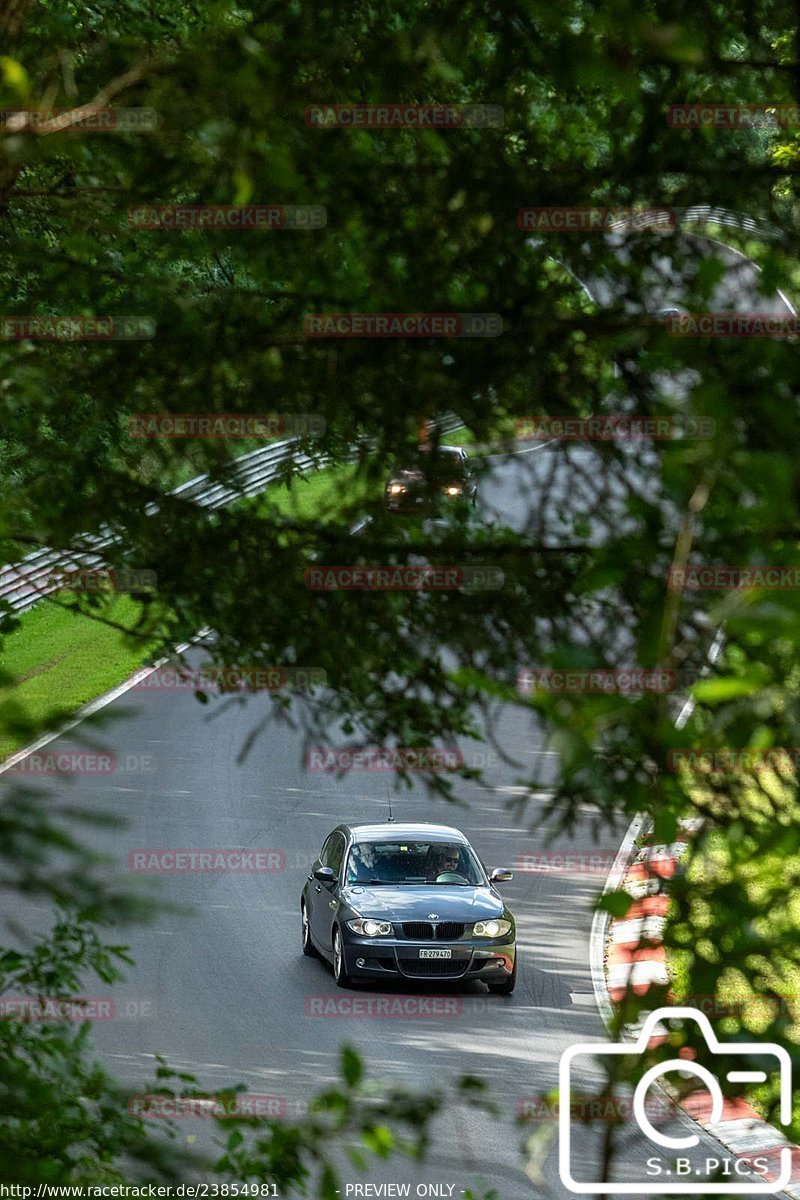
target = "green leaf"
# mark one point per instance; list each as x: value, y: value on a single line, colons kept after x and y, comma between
x: 618, y: 904
x: 665, y: 826
x: 380, y: 1140
x: 14, y: 74
x: 352, y: 1066
x: 717, y: 691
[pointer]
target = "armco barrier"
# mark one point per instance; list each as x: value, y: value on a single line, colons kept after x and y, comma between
x: 729, y: 220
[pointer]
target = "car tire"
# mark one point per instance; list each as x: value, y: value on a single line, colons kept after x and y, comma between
x: 308, y: 946
x: 343, y: 980
x: 507, y: 986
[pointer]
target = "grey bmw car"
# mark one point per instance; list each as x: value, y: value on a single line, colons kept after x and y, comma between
x: 410, y: 901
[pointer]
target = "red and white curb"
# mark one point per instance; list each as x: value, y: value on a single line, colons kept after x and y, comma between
x: 635, y: 960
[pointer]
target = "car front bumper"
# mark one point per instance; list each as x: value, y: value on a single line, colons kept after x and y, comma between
x: 406, y: 502
x: 390, y: 958
x: 423, y: 501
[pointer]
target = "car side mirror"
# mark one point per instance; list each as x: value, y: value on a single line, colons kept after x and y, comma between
x: 501, y: 875
x: 324, y: 874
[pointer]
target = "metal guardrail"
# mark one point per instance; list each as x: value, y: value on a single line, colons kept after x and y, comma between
x: 24, y: 583
x: 730, y: 220
x: 703, y: 214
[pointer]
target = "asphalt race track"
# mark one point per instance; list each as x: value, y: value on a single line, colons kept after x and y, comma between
x: 222, y: 989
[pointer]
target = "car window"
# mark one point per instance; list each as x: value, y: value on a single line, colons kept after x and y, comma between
x: 337, y: 854
x: 333, y: 852
x: 413, y: 862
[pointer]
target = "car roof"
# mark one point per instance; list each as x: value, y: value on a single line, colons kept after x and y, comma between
x: 394, y: 831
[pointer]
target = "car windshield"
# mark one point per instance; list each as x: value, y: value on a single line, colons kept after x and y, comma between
x: 414, y: 862
x: 440, y: 464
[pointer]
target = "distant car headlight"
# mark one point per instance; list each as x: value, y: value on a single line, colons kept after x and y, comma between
x: 371, y: 928
x: 453, y: 489
x: 491, y: 929
x: 396, y: 489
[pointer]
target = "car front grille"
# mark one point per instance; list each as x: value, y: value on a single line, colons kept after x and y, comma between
x: 424, y: 931
x: 448, y: 931
x: 433, y: 968
x: 419, y: 931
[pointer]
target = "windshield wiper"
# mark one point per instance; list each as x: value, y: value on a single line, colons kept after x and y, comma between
x: 395, y: 882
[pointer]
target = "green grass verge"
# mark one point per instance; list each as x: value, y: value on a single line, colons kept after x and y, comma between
x: 60, y: 660
x: 329, y: 494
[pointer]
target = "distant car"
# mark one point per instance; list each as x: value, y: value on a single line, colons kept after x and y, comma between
x: 435, y: 473
x: 408, y: 901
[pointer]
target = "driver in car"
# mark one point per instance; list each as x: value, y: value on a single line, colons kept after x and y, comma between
x: 442, y: 860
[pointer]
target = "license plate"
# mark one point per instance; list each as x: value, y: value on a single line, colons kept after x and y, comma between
x: 436, y: 953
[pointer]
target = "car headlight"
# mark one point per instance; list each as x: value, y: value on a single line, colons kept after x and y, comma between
x: 396, y: 489
x: 453, y: 489
x: 491, y: 929
x: 371, y: 928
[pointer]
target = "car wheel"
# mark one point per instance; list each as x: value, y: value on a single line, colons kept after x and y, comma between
x: 507, y: 986
x: 308, y: 945
x: 343, y: 980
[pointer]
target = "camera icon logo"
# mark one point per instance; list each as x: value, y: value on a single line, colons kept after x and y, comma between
x: 689, y: 1178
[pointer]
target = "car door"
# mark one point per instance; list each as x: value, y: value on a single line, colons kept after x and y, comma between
x: 314, y: 888
x: 324, y: 895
